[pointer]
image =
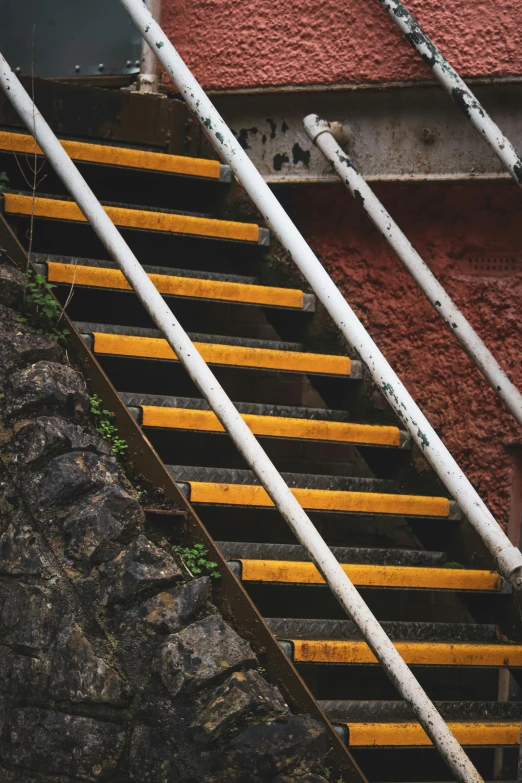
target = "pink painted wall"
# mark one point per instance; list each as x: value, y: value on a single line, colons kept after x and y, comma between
x: 229, y: 43
x: 447, y: 224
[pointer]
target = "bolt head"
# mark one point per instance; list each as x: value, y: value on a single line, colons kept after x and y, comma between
x: 101, y: 67
x: 77, y: 68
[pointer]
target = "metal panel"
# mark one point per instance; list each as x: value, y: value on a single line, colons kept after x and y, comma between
x: 62, y: 38
x: 408, y: 133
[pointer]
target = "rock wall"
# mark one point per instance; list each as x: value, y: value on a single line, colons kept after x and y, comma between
x: 114, y: 666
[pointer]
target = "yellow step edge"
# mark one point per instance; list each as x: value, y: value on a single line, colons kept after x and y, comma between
x: 416, y: 653
x: 117, y: 156
x: 235, y: 355
x: 275, y: 426
x: 177, y: 286
x: 412, y: 734
x: 321, y: 499
x: 134, y: 218
x: 291, y: 572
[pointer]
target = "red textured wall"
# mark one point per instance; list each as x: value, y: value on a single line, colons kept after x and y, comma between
x: 229, y: 43
x: 448, y: 224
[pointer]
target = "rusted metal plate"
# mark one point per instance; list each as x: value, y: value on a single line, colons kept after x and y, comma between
x: 154, y: 121
x: 396, y: 133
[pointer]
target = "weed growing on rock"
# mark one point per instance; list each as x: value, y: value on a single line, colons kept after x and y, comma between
x: 196, y: 561
x: 105, y: 427
x: 41, y: 310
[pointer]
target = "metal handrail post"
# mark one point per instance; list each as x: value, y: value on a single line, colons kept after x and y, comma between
x: 508, y: 557
x: 298, y: 521
x: 519, y: 776
x: 455, y: 86
x: 148, y: 79
x: 320, y: 132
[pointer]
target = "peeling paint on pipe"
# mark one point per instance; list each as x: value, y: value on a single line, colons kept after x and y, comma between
x: 320, y: 132
x: 457, y: 89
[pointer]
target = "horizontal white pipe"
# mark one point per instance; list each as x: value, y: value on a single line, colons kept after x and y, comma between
x: 508, y: 558
x: 245, y: 441
x: 453, y: 84
x: 320, y: 132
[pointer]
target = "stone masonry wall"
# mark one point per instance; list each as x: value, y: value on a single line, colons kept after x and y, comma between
x: 113, y: 665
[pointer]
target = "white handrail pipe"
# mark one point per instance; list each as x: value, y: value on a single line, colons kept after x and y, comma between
x: 304, y: 530
x: 456, y: 87
x: 320, y: 132
x: 508, y: 557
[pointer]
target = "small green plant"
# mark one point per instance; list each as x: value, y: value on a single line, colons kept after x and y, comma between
x: 105, y: 427
x: 452, y: 564
x: 41, y: 310
x: 196, y: 561
x: 4, y: 181
x: 261, y: 670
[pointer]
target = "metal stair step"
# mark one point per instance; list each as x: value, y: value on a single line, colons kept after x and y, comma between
x: 298, y: 628
x: 194, y: 414
x: 405, y: 577
x: 185, y: 285
x: 17, y: 204
x: 44, y: 258
x: 123, y: 157
x: 237, y: 550
x: 388, y: 711
x: 462, y: 654
x: 222, y: 486
x: 142, y: 343
x: 411, y: 734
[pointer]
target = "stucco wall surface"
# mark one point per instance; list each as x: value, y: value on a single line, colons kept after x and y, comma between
x: 448, y: 224
x: 302, y: 42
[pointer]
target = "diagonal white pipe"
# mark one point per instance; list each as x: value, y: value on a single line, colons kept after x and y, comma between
x: 298, y: 521
x: 456, y: 87
x: 508, y: 557
x: 320, y: 132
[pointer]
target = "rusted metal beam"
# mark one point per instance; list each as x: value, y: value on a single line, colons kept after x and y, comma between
x: 397, y: 133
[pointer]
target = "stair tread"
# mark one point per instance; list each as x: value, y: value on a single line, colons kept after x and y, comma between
x: 294, y: 552
x: 138, y: 218
x: 230, y: 486
x: 128, y: 157
x: 385, y: 711
x: 184, y: 285
x: 192, y: 414
x: 463, y: 654
x: 396, y: 630
x: 309, y: 480
x: 42, y: 258
x: 405, y: 577
x: 218, y: 339
x: 403, y: 734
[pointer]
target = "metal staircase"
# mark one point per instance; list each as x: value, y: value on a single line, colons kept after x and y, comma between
x: 415, y: 559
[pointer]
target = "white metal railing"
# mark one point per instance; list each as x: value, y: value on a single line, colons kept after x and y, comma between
x: 455, y: 86
x: 304, y: 530
x: 320, y: 132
